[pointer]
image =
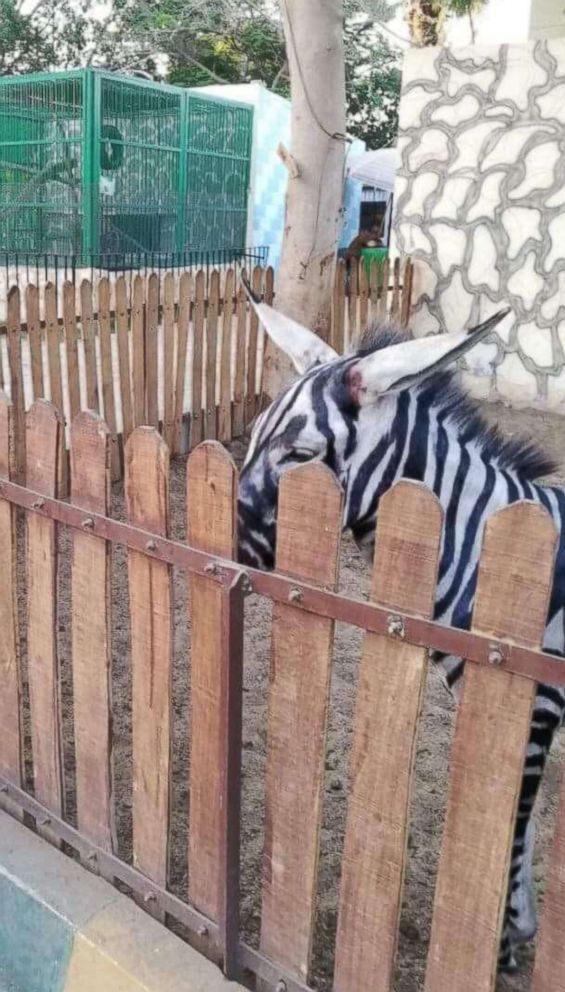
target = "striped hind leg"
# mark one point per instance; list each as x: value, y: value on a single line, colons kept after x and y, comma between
x: 520, y: 922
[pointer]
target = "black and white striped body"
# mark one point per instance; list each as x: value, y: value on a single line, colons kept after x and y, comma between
x: 430, y: 433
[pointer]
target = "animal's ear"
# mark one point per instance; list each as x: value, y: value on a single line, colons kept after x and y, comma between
x: 410, y: 362
x: 302, y: 346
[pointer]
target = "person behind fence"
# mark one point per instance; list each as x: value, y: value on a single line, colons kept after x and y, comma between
x: 365, y: 239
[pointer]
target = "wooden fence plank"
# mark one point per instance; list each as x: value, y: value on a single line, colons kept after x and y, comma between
x: 168, y: 357
x: 44, y: 427
x: 225, y: 410
x: 492, y: 730
x: 250, y: 406
x: 17, y: 383
x: 211, y: 526
x: 183, y: 324
x: 71, y: 345
x: 138, y: 350
x: 352, y: 300
x: 210, y: 428
x: 91, y: 632
x: 150, y: 589
x: 308, y: 542
x: 395, y: 304
x: 238, y: 423
x: 34, y: 338
x: 196, y: 423
x: 391, y: 685
x: 89, y: 342
x: 53, y: 347
x: 11, y: 754
x: 363, y: 294
x: 549, y: 967
x: 106, y: 365
x: 122, y: 330
x: 406, y: 304
x: 338, y: 310
x: 374, y: 274
x: 383, y: 290
x: 152, y: 351
x: 53, y: 333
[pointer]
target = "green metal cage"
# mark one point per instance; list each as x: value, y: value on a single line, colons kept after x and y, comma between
x: 93, y: 163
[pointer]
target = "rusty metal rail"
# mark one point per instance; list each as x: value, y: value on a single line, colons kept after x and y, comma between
x: 475, y: 647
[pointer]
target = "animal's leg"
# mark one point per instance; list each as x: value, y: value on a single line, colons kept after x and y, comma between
x: 520, y: 922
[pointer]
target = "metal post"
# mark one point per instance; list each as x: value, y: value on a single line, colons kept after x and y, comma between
x: 230, y: 757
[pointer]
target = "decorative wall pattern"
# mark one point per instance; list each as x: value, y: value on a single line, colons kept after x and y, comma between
x: 480, y: 204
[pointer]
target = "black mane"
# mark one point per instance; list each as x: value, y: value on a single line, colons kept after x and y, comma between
x: 443, y: 391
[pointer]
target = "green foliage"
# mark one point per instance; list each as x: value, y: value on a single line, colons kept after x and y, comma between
x: 462, y: 8
x: 195, y: 42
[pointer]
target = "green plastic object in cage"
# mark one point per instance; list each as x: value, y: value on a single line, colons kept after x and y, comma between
x: 94, y: 163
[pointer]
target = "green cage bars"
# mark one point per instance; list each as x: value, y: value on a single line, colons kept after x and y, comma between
x: 93, y: 163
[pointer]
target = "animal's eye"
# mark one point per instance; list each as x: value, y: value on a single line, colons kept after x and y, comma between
x: 298, y: 455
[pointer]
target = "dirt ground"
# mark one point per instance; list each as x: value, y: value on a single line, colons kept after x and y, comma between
x: 431, y: 762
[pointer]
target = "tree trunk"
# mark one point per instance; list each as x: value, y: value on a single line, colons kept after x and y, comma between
x: 314, y: 44
x: 425, y: 21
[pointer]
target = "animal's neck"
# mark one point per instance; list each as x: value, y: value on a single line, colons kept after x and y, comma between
x: 428, y: 443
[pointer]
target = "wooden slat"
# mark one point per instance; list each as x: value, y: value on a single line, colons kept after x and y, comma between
x: 211, y: 526
x: 44, y: 427
x: 183, y: 324
x: 269, y: 297
x: 210, y: 429
x: 363, y: 294
x: 53, y: 347
x: 374, y: 271
x: 196, y: 422
x: 492, y: 731
x: 138, y: 350
x: 338, y: 312
x: 11, y: 756
x: 395, y: 305
x: 70, y: 326
x: 549, y: 968
x: 89, y: 341
x: 168, y: 357
x: 251, y: 397
x: 105, y: 327
x: 383, y: 290
x: 238, y: 423
x: 34, y: 337
x: 150, y: 591
x: 391, y: 685
x: 91, y: 631
x: 152, y: 350
x: 224, y: 413
x: 17, y: 383
x: 308, y: 542
x: 122, y: 330
x: 352, y: 300
x: 406, y: 293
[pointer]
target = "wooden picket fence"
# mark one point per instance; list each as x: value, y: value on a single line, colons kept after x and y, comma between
x: 504, y: 664
x: 182, y: 354
x: 364, y: 294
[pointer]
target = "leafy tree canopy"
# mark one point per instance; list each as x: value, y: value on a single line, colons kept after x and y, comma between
x: 195, y: 42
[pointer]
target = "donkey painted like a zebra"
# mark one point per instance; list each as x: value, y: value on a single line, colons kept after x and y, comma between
x: 390, y: 410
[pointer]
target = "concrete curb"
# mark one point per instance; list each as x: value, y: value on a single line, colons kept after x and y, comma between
x: 62, y: 929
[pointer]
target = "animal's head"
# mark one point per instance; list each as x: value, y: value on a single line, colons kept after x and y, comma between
x: 338, y: 409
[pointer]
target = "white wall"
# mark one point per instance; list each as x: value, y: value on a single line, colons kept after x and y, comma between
x: 494, y: 25
x: 547, y: 19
